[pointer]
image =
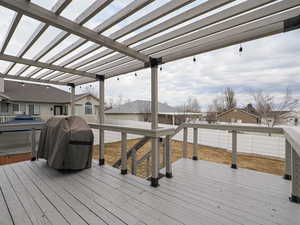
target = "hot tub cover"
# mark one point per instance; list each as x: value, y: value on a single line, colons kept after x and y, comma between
x: 66, y: 143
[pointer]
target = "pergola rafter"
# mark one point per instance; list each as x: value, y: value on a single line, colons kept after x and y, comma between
x: 240, y: 22
x: 57, y: 9
x: 83, y: 18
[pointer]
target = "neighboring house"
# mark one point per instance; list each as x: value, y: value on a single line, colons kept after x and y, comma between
x: 236, y: 115
x: 282, y: 118
x: 43, y: 101
x: 140, y: 110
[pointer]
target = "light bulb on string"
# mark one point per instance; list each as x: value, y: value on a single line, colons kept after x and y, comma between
x: 135, y: 74
x: 160, y: 68
x: 194, y: 59
x: 240, y: 49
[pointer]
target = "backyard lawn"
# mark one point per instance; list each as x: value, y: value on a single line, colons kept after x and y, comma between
x: 254, y: 162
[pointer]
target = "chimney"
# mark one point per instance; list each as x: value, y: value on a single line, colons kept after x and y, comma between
x: 1, y: 85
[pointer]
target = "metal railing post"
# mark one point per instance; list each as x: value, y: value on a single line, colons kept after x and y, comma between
x: 195, y: 155
x: 234, y: 150
x: 295, y: 197
x: 288, y: 161
x: 148, y: 167
x: 168, y: 151
x: 184, y: 144
x: 33, y: 145
x: 124, y: 154
x: 133, y: 162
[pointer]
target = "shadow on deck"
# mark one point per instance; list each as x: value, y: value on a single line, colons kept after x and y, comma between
x: 200, y: 192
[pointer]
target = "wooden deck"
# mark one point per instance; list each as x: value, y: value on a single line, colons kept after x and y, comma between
x: 200, y: 193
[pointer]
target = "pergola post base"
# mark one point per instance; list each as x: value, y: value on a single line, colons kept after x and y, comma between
x: 287, y: 177
x: 234, y: 166
x: 101, y: 162
x: 295, y: 199
x: 169, y: 175
x: 154, y: 182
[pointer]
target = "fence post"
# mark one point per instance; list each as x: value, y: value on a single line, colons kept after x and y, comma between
x: 295, y: 197
x: 195, y: 156
x: 168, y: 151
x: 124, y: 154
x: 184, y: 145
x: 234, y: 150
x: 33, y: 145
x: 288, y: 159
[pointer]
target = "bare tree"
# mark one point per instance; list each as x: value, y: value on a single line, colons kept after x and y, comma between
x: 229, y: 98
x: 272, y: 110
x: 191, y: 105
x: 225, y: 102
x: 217, y: 105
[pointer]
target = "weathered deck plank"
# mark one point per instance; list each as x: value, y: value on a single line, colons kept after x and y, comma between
x: 199, y: 193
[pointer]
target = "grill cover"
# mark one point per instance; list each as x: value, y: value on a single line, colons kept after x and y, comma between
x: 66, y: 143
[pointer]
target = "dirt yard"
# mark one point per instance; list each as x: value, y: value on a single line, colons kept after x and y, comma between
x: 254, y: 162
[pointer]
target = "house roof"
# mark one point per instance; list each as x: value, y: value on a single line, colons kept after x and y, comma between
x: 36, y: 93
x: 28, y: 92
x: 241, y: 110
x: 140, y: 106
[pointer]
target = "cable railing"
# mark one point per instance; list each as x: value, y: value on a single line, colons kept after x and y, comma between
x: 165, y: 135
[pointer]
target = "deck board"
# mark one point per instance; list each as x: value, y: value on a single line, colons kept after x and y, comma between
x: 200, y: 193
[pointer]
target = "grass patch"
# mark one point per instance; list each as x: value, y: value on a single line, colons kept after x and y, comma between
x: 249, y: 161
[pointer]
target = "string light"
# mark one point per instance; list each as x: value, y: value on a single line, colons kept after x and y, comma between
x: 240, y: 49
x: 135, y: 74
x: 194, y: 59
x: 118, y: 78
x: 160, y: 68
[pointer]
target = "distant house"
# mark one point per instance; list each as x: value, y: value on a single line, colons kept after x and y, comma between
x: 236, y: 115
x: 43, y: 101
x: 140, y: 110
x: 282, y: 117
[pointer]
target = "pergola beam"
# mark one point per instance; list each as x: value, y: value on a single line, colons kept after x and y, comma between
x: 45, y: 66
x: 46, y: 16
x: 13, y: 77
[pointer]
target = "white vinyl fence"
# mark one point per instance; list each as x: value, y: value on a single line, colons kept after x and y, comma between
x: 247, y: 143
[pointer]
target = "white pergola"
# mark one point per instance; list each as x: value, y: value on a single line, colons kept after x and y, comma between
x: 157, y: 37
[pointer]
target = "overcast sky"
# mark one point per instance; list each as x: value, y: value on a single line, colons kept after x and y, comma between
x: 271, y: 64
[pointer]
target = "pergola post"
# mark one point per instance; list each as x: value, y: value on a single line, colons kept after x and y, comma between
x: 72, y: 99
x: 101, y: 119
x: 288, y: 161
x: 154, y: 125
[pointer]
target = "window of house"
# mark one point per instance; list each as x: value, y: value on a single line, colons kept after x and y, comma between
x: 22, y: 108
x: 15, y: 107
x: 36, y: 109
x: 4, y: 107
x: 88, y: 108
